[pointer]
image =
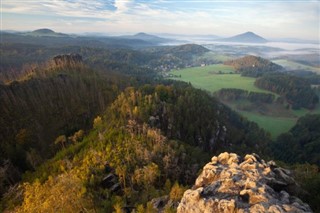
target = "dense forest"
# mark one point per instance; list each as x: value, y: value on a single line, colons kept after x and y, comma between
x: 19, y: 58
x: 302, y: 143
x: 294, y: 86
x: 58, y: 98
x: 300, y: 148
x: 253, y: 66
x: 296, y: 90
x: 150, y: 145
x: 231, y: 94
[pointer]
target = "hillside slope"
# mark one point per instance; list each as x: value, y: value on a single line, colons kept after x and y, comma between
x: 253, y: 66
x: 302, y: 143
x: 149, y: 143
x: 60, y: 97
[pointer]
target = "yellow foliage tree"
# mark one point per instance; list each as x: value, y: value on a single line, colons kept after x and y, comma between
x: 176, y: 192
x: 64, y: 193
x: 97, y: 122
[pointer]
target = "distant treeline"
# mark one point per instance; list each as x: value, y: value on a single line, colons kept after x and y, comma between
x: 231, y: 94
x: 17, y: 58
x: 253, y: 66
x: 296, y: 90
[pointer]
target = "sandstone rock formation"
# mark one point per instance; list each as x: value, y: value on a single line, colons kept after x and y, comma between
x: 67, y: 60
x: 232, y: 184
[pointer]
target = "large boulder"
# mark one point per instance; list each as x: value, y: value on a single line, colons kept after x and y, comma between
x: 233, y: 184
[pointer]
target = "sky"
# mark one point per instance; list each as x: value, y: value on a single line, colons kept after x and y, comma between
x: 270, y: 19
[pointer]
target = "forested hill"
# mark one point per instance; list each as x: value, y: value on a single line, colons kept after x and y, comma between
x: 100, y: 130
x: 190, y: 115
x: 51, y: 105
x: 253, y: 66
x: 53, y: 39
x: 148, y: 143
x: 18, y: 58
x: 59, y: 97
x: 302, y: 143
x: 296, y: 90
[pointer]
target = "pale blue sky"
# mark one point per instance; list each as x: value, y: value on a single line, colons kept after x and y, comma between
x: 271, y: 19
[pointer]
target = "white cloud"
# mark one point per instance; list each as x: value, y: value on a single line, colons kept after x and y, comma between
x: 271, y: 19
x: 122, y: 5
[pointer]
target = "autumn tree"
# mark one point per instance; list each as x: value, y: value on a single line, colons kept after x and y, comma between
x: 61, y: 140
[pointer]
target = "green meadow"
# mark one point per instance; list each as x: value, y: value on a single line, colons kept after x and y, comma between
x: 215, y: 77
x: 219, y: 58
x: 274, y: 125
x: 208, y: 78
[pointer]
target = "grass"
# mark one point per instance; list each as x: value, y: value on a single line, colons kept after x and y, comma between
x: 204, y: 70
x: 208, y: 78
x: 302, y: 112
x: 274, y: 125
x: 216, y: 57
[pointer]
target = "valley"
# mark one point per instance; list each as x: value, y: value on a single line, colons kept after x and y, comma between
x: 274, y: 118
x: 126, y: 123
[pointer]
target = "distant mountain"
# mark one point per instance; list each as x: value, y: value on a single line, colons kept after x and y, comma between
x: 147, y: 37
x: 45, y: 32
x: 248, y: 37
x: 50, y: 38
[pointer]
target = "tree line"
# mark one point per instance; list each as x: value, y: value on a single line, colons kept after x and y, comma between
x: 253, y: 66
x: 296, y: 90
x: 231, y: 94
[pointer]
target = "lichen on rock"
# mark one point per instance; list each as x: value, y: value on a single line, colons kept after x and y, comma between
x: 230, y: 183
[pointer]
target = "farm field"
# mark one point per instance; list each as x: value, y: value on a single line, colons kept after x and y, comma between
x: 208, y: 78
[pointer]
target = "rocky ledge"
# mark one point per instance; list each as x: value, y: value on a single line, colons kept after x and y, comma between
x: 67, y: 59
x: 230, y: 183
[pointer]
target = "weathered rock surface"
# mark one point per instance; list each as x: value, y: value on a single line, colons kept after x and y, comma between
x: 67, y: 60
x: 160, y: 204
x: 233, y: 184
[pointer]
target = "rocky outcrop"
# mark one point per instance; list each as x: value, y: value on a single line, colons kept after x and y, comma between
x: 233, y: 184
x: 110, y: 181
x: 162, y: 204
x: 67, y: 60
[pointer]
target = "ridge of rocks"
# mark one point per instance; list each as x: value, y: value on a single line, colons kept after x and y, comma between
x: 230, y: 183
x: 67, y: 59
